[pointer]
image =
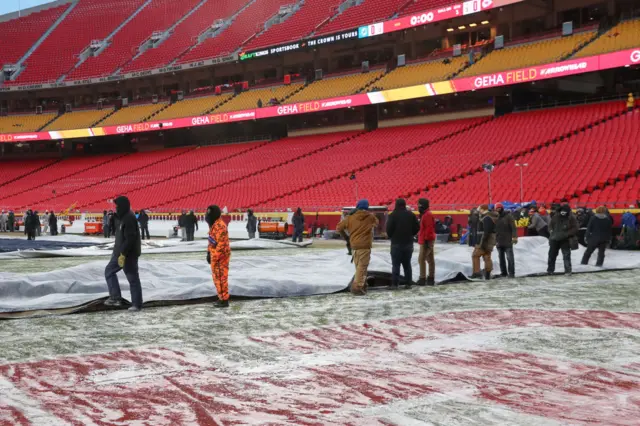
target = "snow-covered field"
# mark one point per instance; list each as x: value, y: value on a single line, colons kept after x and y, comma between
x: 531, y: 351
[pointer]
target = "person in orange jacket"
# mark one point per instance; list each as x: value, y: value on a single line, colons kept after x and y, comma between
x: 219, y: 254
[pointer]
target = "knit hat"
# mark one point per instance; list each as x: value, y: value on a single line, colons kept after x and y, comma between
x: 499, y: 206
x: 363, y: 204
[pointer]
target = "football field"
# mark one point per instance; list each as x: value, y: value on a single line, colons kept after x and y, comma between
x: 532, y: 351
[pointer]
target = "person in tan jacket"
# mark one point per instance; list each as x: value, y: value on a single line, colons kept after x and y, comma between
x: 360, y: 226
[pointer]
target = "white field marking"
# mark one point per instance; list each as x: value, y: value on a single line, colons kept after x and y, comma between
x: 29, y: 407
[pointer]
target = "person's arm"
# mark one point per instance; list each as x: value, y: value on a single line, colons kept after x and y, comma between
x: 195, y: 221
x: 341, y: 228
x: 486, y: 226
x: 391, y: 225
x: 416, y: 224
x: 573, y: 226
x: 514, y: 230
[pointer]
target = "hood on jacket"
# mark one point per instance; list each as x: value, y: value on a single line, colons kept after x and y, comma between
x: 213, y: 213
x: 601, y: 215
x: 298, y: 212
x: 564, y: 210
x: 123, y: 206
x: 249, y: 212
x: 401, y: 204
x: 423, y: 205
x: 363, y: 204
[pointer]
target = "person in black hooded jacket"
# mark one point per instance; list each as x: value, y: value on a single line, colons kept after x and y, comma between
x: 598, y: 235
x: 53, y: 223
x: 402, y: 226
x: 143, y: 218
x: 31, y: 222
x: 126, y: 252
x: 563, y: 228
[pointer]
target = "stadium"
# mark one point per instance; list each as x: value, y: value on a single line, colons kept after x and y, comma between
x: 301, y: 116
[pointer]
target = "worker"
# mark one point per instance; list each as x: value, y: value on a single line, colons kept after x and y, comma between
x: 218, y: 254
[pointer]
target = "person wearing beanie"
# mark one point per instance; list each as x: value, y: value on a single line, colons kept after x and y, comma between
x: 402, y: 225
x: 598, y: 236
x: 506, y: 237
x: 298, y: 225
x: 426, y: 239
x: 218, y: 254
x: 564, y: 227
x: 486, y: 242
x: 360, y: 226
x: 252, y: 224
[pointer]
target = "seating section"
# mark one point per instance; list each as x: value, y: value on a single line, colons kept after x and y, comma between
x: 159, y: 15
x: 529, y: 54
x: 14, y: 169
x: 299, y: 25
x: 620, y: 195
x: 424, y: 72
x: 75, y: 187
x: 190, y: 107
x: 557, y: 171
x: 423, y: 5
x: 89, y: 20
x: 24, y: 123
x: 132, y: 114
x: 622, y: 36
x: 165, y: 180
x: 367, y: 12
x: 15, y: 196
x: 336, y: 86
x: 185, y: 34
x: 249, y: 22
x: 78, y: 119
x: 249, y: 99
x: 18, y: 35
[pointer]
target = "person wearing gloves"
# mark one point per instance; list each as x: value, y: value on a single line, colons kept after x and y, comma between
x: 564, y: 227
x: 31, y: 223
x: 426, y: 239
x: 126, y: 252
x: 218, y: 254
x: 360, y: 226
x: 252, y: 224
x: 539, y: 224
x: 402, y: 225
x: 506, y: 237
x: 486, y: 242
x: 599, y: 233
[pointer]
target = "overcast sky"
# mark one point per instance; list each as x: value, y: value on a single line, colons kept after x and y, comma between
x: 8, y: 6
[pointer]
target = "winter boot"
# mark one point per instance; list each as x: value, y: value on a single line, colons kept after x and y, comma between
x: 487, y: 275
x: 422, y: 282
x: 431, y: 281
x: 134, y: 309
x: 221, y: 304
x: 394, y: 285
x: 408, y: 285
x: 476, y: 276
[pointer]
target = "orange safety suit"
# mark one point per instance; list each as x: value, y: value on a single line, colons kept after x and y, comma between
x: 220, y: 253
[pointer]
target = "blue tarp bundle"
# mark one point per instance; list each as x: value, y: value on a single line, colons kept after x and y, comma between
x: 20, y: 244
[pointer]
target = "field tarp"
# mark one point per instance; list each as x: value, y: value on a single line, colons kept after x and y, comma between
x: 288, y: 275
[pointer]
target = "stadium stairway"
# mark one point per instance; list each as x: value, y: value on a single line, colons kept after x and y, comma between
x: 54, y: 118
x: 441, y: 191
x: 15, y: 170
x: 621, y: 194
x: 331, y: 142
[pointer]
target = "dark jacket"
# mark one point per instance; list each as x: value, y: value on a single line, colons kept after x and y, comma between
x: 252, y: 223
x: 487, y: 231
x: 506, y: 230
x: 191, y: 221
x: 563, y: 227
x: 402, y: 225
x: 181, y: 221
x: 143, y: 218
x: 298, y: 221
x: 128, y: 232
x: 599, y: 229
x: 11, y: 218
x: 31, y: 222
x: 53, y: 221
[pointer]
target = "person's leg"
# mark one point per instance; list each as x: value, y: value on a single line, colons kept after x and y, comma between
x: 566, y: 256
x: 135, y: 287
x: 587, y: 253
x: 602, y: 248
x: 111, y: 276
x: 220, y: 271
x: 502, y: 256
x: 183, y: 233
x: 396, y: 260
x: 431, y: 261
x: 146, y: 228
x: 361, y: 261
x: 422, y: 263
x: 511, y: 262
x: 475, y: 259
x: 407, y: 254
x: 554, y: 248
x: 488, y: 262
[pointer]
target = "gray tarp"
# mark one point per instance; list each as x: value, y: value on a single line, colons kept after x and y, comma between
x: 300, y: 274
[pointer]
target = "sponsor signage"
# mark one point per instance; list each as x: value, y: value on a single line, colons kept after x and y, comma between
x: 541, y: 72
x: 299, y: 45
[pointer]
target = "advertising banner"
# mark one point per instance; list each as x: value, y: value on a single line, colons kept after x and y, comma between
x: 313, y: 106
x: 24, y: 137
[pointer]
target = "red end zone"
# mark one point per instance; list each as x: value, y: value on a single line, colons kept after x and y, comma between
x: 353, y: 369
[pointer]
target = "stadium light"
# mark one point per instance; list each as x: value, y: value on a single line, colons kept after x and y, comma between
x: 461, y: 27
x: 473, y: 24
x: 450, y: 30
x: 521, y: 166
x: 484, y: 22
x: 488, y: 167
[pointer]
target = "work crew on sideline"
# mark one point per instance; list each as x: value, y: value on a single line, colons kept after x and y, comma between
x: 402, y: 226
